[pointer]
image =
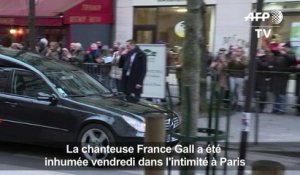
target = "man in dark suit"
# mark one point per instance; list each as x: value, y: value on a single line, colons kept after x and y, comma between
x: 134, y: 65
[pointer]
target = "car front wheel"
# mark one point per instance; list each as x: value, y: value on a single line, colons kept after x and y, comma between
x: 94, y: 137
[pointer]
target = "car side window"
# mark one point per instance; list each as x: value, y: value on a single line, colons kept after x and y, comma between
x: 26, y: 83
x: 4, y: 80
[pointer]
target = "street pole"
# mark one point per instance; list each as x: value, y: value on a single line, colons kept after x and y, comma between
x: 31, y: 17
x: 249, y: 89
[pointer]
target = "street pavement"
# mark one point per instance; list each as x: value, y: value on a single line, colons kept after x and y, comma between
x: 278, y: 140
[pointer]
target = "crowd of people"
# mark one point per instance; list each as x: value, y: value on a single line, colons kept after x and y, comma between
x: 96, y: 53
x: 274, y: 65
x: 127, y: 68
x: 125, y: 65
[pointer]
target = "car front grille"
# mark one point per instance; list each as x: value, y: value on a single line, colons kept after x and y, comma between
x: 172, y: 122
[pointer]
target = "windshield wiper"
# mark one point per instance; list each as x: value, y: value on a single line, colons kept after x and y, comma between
x: 77, y: 96
x: 105, y: 94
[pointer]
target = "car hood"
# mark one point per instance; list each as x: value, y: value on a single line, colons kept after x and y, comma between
x: 121, y: 106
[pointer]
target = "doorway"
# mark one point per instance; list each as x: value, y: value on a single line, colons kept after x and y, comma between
x: 144, y: 34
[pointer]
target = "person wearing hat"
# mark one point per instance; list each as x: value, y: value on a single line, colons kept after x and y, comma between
x: 42, y: 46
x: 77, y: 53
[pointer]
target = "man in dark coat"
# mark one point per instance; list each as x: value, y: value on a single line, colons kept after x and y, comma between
x: 283, y: 60
x: 134, y: 65
x: 263, y: 78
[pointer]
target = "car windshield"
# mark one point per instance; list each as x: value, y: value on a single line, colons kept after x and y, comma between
x: 75, y: 84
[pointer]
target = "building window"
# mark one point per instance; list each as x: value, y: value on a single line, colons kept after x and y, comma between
x: 168, y: 17
x: 152, y: 24
x: 145, y: 16
x: 291, y: 15
x: 284, y: 29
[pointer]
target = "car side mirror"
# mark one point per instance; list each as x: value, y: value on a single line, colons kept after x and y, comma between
x: 47, y: 97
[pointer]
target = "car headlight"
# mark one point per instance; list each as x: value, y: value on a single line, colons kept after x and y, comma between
x: 136, y: 124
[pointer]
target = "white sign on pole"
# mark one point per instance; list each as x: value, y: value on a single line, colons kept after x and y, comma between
x: 155, y: 80
x: 246, y: 118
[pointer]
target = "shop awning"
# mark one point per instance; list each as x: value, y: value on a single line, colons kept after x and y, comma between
x: 44, y: 8
x: 23, y: 21
x: 15, y: 12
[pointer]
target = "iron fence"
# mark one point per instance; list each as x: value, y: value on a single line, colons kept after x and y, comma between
x: 101, y: 73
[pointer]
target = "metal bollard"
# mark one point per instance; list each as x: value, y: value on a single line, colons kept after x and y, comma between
x: 267, y: 167
x: 154, y: 136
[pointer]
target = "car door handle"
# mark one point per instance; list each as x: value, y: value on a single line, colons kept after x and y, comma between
x: 13, y: 104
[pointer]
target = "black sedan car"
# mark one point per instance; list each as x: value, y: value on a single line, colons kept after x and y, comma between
x: 47, y: 101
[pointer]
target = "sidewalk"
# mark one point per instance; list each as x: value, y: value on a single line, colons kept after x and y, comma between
x: 278, y: 139
x: 272, y: 127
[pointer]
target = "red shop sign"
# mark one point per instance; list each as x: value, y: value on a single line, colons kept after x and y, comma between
x: 90, y: 12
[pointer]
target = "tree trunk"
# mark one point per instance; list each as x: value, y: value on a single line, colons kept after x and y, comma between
x: 191, y: 53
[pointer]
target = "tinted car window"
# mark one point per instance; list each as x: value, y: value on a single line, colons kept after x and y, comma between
x: 75, y: 83
x: 26, y: 83
x: 4, y: 80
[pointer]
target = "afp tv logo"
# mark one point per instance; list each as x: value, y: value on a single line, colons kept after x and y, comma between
x: 275, y: 16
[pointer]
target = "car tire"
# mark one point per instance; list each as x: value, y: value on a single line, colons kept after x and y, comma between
x: 95, y: 135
